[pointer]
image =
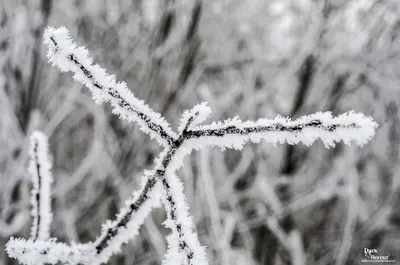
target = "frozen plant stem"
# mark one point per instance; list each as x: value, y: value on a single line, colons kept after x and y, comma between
x: 40, y: 171
x: 162, y: 182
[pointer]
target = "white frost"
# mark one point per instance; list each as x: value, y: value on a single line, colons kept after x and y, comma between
x: 187, y: 235
x: 66, y: 54
x: 40, y: 171
x: 32, y: 252
x: 348, y: 127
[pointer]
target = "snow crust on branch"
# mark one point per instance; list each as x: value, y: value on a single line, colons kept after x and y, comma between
x: 68, y: 56
x: 129, y: 219
x: 40, y: 171
x: 234, y: 133
x: 183, y: 244
x: 198, y: 114
x: 32, y: 252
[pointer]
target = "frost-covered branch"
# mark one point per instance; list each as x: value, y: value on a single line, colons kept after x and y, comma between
x: 65, y: 54
x: 183, y: 244
x: 129, y: 219
x: 40, y: 171
x: 49, y: 252
x: 233, y: 133
x: 162, y: 183
x: 113, y: 235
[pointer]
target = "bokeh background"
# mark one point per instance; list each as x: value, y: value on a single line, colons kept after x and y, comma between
x: 256, y: 58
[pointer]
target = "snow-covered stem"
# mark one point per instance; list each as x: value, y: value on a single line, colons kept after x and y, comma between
x: 32, y: 252
x: 234, y: 133
x: 40, y: 171
x: 129, y: 219
x: 184, y: 246
x: 68, y: 56
x: 162, y: 182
